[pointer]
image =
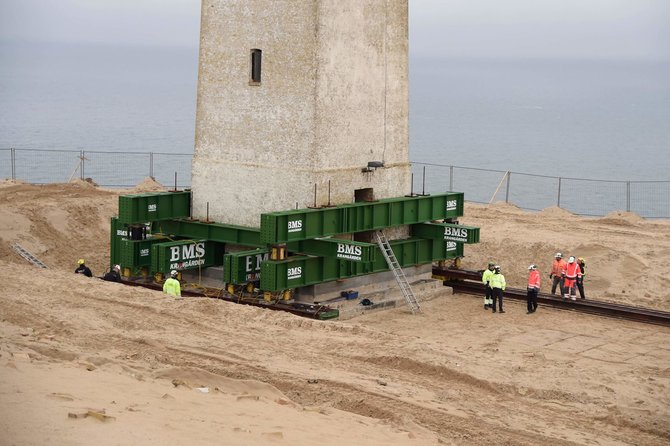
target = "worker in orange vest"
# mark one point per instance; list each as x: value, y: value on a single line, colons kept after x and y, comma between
x: 571, y: 274
x: 533, y: 288
x: 557, y: 273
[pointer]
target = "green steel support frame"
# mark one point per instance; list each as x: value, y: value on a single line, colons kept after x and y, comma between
x: 315, y: 257
x: 144, y: 208
x: 449, y: 231
x: 185, y: 255
x: 216, y: 232
x: 304, y: 224
x: 298, y: 271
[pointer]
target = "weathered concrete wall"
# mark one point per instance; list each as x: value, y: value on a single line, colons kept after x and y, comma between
x: 333, y: 96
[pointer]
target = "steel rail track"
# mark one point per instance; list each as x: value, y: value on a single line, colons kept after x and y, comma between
x: 469, y: 282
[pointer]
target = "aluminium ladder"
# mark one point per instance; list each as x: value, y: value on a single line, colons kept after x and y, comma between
x: 28, y: 256
x: 399, y: 274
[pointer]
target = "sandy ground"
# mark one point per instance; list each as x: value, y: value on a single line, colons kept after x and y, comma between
x: 84, y: 361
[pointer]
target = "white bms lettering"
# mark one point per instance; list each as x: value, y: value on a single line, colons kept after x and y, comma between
x: 294, y: 273
x: 295, y: 226
x: 456, y: 234
x: 452, y: 205
x: 349, y: 252
x: 187, y: 264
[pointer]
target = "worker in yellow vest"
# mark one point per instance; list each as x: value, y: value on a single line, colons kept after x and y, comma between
x: 486, y: 278
x: 171, y: 286
x: 497, y: 282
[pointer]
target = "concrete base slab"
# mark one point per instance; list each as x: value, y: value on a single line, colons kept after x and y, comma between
x: 424, y: 290
x: 381, y: 289
x: 208, y: 277
x: 368, y: 284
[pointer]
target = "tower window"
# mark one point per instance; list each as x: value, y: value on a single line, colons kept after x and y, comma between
x: 256, y: 57
x: 366, y: 194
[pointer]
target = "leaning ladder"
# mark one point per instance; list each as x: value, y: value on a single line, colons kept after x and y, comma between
x: 394, y: 266
x: 28, y: 256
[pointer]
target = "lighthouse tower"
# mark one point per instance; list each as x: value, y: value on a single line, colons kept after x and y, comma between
x: 300, y: 103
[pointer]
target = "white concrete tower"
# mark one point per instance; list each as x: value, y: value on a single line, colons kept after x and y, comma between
x: 298, y: 93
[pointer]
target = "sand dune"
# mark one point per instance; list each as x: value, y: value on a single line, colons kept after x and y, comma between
x: 89, y: 362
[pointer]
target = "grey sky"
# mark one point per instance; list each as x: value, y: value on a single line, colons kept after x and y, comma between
x: 503, y: 28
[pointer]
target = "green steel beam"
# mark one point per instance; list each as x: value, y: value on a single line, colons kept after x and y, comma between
x: 118, y: 232
x: 215, y: 232
x: 340, y: 249
x: 304, y: 224
x: 144, y: 208
x: 450, y: 231
x: 243, y: 266
x: 185, y: 255
x: 135, y: 254
x: 299, y: 271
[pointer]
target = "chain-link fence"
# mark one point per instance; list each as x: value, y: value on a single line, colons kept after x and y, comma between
x: 110, y: 169
x: 650, y: 199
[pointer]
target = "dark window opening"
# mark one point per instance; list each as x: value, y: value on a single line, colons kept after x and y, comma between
x: 256, y: 58
x: 366, y: 194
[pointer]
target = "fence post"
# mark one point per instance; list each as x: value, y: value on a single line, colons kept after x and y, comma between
x: 509, y: 174
x: 13, y: 153
x: 558, y: 203
x: 81, y: 166
x: 627, y: 196
x: 151, y: 164
x: 451, y: 178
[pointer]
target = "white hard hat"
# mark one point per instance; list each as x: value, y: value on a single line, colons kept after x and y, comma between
x: 571, y: 259
x: 558, y: 254
x: 173, y: 272
x: 117, y: 267
x: 531, y: 267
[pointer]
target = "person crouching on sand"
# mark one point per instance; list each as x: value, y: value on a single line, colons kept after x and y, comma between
x: 83, y: 269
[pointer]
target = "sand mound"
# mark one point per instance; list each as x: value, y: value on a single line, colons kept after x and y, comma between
x: 87, y: 182
x: 506, y: 207
x: 555, y: 211
x: 622, y: 218
x: 8, y: 182
x: 149, y: 184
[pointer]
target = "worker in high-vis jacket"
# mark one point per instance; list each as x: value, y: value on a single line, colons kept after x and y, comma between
x: 557, y: 273
x: 497, y: 282
x: 571, y: 273
x: 580, y: 280
x: 486, y: 278
x: 171, y: 286
x: 533, y: 288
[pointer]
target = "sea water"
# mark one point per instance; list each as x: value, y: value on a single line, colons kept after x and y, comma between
x: 603, y: 119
